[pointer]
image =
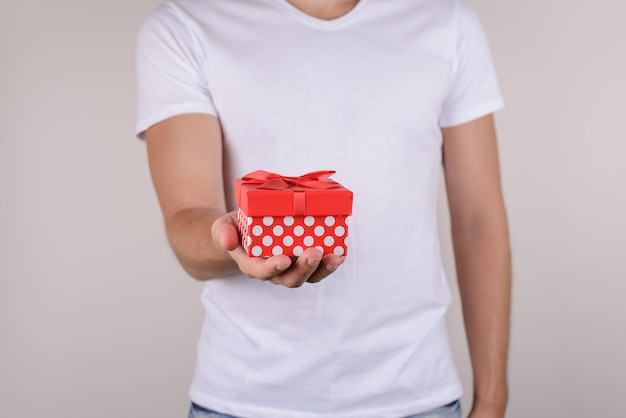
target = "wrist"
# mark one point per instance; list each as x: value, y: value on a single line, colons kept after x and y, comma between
x: 492, y: 404
x: 190, y: 233
x: 486, y: 412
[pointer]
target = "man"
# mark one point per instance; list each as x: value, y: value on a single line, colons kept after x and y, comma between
x: 383, y: 93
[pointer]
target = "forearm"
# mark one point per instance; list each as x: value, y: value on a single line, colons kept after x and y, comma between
x: 189, y: 234
x: 483, y: 263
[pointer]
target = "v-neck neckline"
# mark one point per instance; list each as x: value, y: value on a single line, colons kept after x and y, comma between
x: 323, y: 23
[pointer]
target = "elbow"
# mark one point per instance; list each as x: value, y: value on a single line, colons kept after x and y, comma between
x: 199, y: 275
x: 493, y: 222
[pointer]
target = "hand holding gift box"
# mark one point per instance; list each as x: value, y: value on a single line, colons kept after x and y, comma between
x: 286, y: 215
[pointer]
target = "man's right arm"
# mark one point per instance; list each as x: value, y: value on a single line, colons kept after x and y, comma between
x: 185, y: 156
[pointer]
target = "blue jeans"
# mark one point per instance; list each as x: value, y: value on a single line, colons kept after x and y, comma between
x: 452, y: 410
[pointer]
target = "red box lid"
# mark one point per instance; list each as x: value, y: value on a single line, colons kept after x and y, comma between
x: 292, y: 196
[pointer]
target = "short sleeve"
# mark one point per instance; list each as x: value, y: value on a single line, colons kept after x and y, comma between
x: 474, y: 91
x: 171, y: 76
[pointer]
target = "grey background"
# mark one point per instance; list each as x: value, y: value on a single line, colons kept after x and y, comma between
x: 96, y: 317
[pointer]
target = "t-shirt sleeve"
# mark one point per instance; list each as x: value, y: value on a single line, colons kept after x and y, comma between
x: 171, y: 76
x: 474, y: 89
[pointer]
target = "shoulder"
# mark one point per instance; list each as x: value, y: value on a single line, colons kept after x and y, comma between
x: 465, y: 17
x: 167, y: 15
x: 172, y: 26
x: 454, y: 13
x: 196, y: 17
x: 448, y: 17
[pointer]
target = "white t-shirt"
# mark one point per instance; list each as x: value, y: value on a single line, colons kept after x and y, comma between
x: 365, y: 95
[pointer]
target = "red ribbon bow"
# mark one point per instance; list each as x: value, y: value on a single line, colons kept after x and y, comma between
x: 314, y: 180
x: 268, y: 180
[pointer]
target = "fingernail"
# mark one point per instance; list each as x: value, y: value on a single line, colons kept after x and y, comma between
x: 313, y: 261
x: 331, y: 267
x: 281, y: 268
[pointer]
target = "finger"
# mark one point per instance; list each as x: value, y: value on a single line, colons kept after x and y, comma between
x: 274, y: 280
x: 301, y: 269
x: 225, y: 232
x: 258, y: 267
x: 328, y: 265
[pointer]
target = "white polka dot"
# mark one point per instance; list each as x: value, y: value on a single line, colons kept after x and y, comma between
x: 267, y: 240
x: 308, y: 241
x: 278, y: 230
x: 288, y: 220
x: 340, y: 231
x: 339, y: 250
x: 297, y: 251
x: 298, y: 231
x: 288, y: 241
x: 309, y: 221
x: 329, y: 221
x: 249, y: 240
x: 328, y: 241
x: 319, y: 230
x: 257, y: 251
x: 250, y: 220
x: 268, y: 220
x: 257, y: 230
x: 277, y: 250
x: 320, y: 248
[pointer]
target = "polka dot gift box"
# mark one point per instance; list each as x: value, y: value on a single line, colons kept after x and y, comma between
x: 287, y: 215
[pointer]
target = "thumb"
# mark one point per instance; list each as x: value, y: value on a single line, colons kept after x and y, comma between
x: 225, y: 233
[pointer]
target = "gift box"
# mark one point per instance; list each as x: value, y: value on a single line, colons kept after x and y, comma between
x: 287, y: 215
